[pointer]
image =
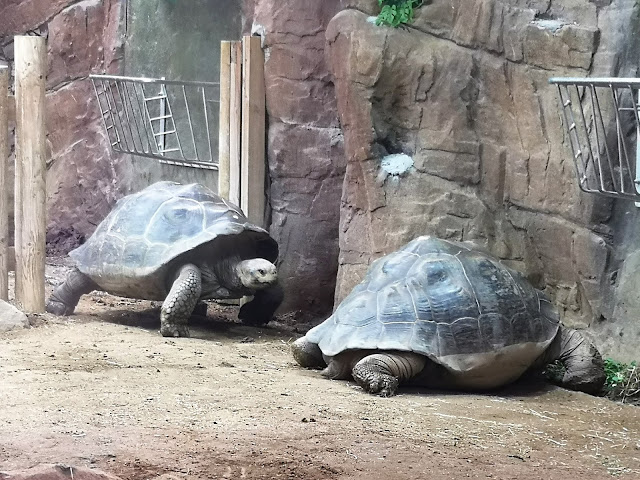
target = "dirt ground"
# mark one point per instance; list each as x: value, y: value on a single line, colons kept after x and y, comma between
x: 103, y: 389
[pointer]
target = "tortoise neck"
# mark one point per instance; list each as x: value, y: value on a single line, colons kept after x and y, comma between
x: 224, y: 272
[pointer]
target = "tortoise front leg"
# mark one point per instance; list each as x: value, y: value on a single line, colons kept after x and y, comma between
x: 66, y: 296
x: 180, y: 302
x: 260, y: 310
x: 381, y: 373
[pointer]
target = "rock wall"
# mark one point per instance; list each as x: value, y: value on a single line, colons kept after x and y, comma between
x: 305, y: 151
x: 451, y: 129
x: 82, y: 37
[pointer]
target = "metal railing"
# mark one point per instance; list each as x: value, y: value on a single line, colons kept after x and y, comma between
x: 168, y: 120
x: 601, y: 119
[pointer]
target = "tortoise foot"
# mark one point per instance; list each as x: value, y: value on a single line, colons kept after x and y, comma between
x: 174, y: 330
x: 375, y: 382
x: 59, y: 308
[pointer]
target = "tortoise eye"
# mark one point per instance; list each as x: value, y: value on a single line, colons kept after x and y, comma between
x: 261, y: 271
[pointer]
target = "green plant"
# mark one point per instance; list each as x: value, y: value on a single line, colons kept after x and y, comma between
x: 622, y: 380
x: 396, y: 12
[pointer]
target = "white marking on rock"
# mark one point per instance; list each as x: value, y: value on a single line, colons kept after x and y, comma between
x: 396, y: 164
x: 553, y: 25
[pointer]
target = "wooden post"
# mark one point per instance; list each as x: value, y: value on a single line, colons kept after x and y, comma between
x: 30, y: 205
x: 223, y: 137
x: 253, y: 131
x: 235, y: 122
x: 5, y: 184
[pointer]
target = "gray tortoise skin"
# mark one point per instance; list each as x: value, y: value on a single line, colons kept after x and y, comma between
x: 177, y: 243
x: 444, y: 314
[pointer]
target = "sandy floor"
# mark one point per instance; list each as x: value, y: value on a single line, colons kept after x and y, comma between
x: 104, y: 389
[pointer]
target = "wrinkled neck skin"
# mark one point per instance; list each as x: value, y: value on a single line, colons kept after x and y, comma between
x: 221, y: 274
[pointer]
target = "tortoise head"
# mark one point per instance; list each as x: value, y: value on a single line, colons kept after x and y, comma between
x: 257, y: 273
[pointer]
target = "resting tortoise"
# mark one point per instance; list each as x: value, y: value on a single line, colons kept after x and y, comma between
x: 443, y: 314
x: 177, y: 243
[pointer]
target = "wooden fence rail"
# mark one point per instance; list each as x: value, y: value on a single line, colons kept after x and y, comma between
x: 241, y: 174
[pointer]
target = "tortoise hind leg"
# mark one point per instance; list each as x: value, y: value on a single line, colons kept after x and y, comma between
x: 582, y: 361
x: 66, y: 296
x: 381, y: 373
x: 260, y: 310
x: 180, y: 302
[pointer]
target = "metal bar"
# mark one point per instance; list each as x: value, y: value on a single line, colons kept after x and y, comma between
x: 621, y: 180
x: 155, y: 80
x: 175, y: 130
x: 187, y: 163
x: 124, y: 106
x: 128, y: 122
x: 574, y: 141
x: 135, y: 117
x: 595, y: 81
x: 160, y: 117
x: 621, y: 143
x: 604, y: 137
x: 113, y: 111
x: 162, y: 140
x: 206, y: 122
x: 588, y: 139
x: 169, y: 161
x: 598, y: 146
x: 156, y: 97
x: 637, y: 176
x: 104, y: 121
x: 193, y: 138
x: 167, y: 132
x: 142, y: 106
x: 148, y: 116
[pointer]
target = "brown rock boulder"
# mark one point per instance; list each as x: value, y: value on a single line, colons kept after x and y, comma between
x: 76, y: 41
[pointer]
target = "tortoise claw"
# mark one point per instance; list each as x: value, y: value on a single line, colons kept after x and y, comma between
x: 174, y: 330
x: 375, y: 382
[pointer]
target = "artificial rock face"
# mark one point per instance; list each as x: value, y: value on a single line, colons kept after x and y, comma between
x: 82, y: 38
x: 451, y: 129
x: 305, y: 147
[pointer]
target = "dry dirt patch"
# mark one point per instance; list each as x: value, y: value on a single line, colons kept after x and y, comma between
x: 103, y: 389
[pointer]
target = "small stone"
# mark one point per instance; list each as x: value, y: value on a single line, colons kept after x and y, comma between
x: 11, y: 318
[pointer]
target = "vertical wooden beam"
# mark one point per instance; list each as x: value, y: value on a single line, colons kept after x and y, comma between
x: 235, y: 122
x: 225, y: 104
x: 5, y: 184
x: 30, y: 211
x: 253, y: 131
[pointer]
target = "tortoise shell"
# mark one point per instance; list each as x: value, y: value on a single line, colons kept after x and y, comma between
x: 444, y: 300
x: 131, y: 250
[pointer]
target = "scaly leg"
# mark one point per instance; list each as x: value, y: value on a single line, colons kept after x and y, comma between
x: 381, y: 373
x: 180, y: 302
x: 66, y: 296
